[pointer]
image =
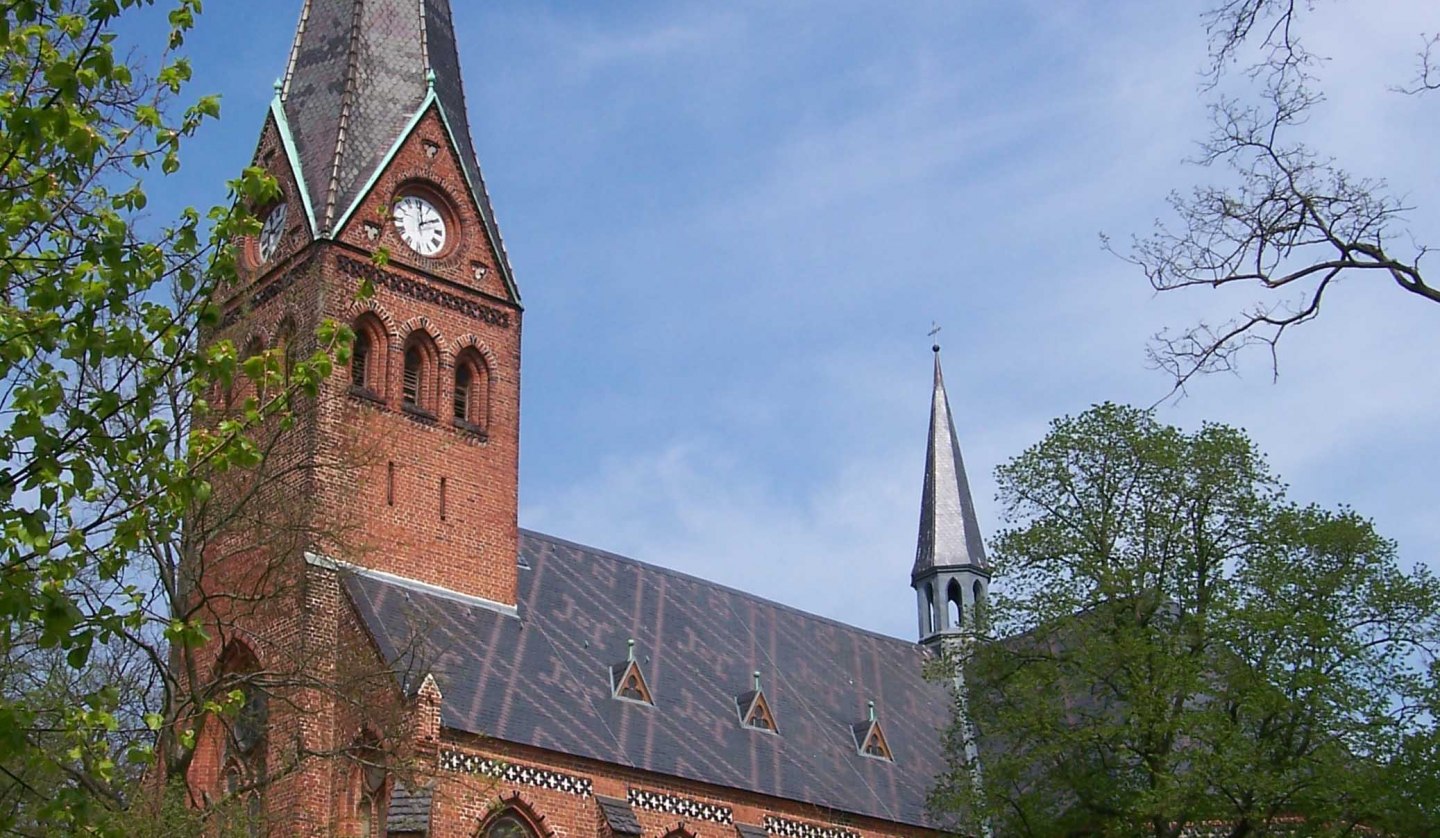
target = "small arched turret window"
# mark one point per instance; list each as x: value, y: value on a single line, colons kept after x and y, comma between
x: 955, y: 604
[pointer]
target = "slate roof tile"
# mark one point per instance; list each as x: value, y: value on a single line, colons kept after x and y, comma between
x: 541, y: 680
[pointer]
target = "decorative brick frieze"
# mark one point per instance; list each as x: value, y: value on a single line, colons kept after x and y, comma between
x: 423, y: 291
x: 462, y: 763
x: 671, y: 805
x: 800, y: 829
x: 266, y: 293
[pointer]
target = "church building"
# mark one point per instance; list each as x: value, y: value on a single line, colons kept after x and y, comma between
x: 447, y: 673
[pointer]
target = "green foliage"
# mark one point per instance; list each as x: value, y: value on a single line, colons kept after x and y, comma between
x: 1179, y: 644
x: 102, y: 371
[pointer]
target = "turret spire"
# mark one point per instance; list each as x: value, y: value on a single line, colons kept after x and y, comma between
x: 360, y: 72
x: 951, y: 573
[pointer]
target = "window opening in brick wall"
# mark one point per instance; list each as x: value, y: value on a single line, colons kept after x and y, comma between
x: 390, y: 483
x: 442, y: 498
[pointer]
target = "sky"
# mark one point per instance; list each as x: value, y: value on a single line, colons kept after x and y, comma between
x: 734, y: 224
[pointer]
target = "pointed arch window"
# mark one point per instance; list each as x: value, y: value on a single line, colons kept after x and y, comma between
x: 471, y: 400
x: 507, y: 823
x: 370, y: 791
x: 245, y: 736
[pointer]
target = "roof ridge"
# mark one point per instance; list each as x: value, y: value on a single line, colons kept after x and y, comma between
x: 555, y: 539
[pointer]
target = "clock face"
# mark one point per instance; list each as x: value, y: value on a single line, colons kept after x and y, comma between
x: 420, y: 224
x: 271, y: 232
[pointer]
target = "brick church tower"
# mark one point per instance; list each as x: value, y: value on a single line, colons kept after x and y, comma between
x: 413, y: 663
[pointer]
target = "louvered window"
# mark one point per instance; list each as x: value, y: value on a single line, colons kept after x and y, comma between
x: 464, y: 380
x: 414, y: 376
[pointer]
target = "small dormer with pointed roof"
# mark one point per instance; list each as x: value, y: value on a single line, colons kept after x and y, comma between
x: 951, y: 576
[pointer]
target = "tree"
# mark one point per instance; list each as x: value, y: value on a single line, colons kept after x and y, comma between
x: 1289, y: 222
x: 1176, y: 643
x: 123, y: 411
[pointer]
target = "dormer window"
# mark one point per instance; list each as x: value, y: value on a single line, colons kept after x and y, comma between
x: 754, y: 709
x: 870, y: 738
x: 627, y: 682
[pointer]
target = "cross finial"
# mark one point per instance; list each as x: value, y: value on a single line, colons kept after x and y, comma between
x: 935, y: 329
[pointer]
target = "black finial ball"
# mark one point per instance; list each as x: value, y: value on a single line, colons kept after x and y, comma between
x: 935, y: 348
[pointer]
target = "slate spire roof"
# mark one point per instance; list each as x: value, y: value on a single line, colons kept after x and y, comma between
x: 359, y: 72
x: 949, y: 531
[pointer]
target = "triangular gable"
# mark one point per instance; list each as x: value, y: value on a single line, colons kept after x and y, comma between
x: 478, y: 198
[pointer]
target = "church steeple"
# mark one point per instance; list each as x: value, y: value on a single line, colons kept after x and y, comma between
x: 951, y: 575
x: 361, y: 73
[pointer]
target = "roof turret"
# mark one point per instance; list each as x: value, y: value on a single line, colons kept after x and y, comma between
x: 949, y: 531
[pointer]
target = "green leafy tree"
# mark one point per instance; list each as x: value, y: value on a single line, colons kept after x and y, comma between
x: 1281, y: 218
x: 1175, y: 644
x: 111, y: 439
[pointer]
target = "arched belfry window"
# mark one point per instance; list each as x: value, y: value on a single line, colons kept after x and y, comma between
x: 931, y: 615
x: 367, y: 359
x: 472, y: 392
x: 955, y: 603
x: 417, y: 384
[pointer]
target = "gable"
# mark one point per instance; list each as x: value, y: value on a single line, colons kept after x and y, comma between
x: 272, y: 155
x: 426, y: 157
x: 541, y: 679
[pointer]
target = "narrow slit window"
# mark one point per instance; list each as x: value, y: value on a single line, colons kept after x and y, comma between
x: 390, y: 483
x: 442, y: 498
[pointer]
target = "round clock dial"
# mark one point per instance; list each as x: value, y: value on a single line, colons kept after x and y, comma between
x: 420, y: 224
x: 271, y: 232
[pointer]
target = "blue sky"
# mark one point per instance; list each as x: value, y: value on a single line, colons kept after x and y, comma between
x: 733, y: 225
